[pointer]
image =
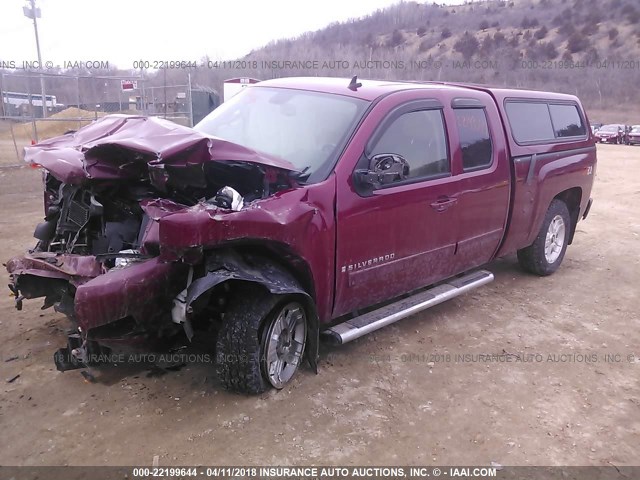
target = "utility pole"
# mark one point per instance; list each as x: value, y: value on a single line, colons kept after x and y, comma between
x: 165, y: 93
x: 34, y: 13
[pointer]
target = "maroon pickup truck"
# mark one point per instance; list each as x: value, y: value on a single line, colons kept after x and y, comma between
x: 301, y: 208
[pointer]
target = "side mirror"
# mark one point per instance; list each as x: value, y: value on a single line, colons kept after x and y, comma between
x: 384, y: 168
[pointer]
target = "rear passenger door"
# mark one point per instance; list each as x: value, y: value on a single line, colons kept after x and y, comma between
x: 481, y: 166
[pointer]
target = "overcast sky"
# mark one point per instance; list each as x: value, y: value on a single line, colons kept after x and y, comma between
x: 122, y: 31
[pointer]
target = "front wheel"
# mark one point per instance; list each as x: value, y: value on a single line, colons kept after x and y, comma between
x: 261, y: 343
x: 283, y: 344
x: 545, y: 254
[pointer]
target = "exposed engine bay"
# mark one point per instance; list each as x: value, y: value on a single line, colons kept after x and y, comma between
x: 89, y: 221
x: 106, y: 218
x: 106, y: 189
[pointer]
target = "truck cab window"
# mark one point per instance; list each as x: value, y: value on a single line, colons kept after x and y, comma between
x: 419, y: 137
x: 475, y: 140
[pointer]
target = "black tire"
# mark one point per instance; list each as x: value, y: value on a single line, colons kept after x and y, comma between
x: 238, y: 343
x: 533, y: 257
x: 241, y: 343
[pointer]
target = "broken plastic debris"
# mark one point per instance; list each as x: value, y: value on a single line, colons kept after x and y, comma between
x: 179, y: 310
x: 228, y: 197
x: 88, y: 377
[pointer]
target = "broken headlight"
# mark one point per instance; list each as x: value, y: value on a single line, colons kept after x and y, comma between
x: 127, y: 257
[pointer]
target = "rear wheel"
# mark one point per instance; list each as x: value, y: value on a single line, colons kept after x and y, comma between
x: 545, y: 254
x: 261, y: 342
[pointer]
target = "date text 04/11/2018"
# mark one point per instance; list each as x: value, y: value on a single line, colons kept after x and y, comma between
x: 315, y: 472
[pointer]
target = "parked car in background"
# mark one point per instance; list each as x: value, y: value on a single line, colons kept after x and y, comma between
x: 634, y: 135
x: 612, y: 133
x: 595, y: 127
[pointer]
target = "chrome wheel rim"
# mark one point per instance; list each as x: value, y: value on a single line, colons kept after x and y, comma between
x: 555, y: 239
x: 285, y: 341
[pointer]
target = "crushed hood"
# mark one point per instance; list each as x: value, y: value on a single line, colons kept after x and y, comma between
x: 129, y: 147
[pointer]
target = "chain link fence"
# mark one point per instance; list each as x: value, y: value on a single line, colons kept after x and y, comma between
x: 72, y: 101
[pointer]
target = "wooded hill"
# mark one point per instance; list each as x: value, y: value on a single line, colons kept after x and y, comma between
x: 586, y: 47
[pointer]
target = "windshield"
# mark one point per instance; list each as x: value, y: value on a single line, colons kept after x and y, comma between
x: 635, y: 129
x: 307, y: 129
x: 609, y: 128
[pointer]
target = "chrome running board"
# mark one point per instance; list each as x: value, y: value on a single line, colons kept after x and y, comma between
x: 376, y: 319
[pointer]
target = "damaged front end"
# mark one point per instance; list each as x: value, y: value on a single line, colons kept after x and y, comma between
x: 97, y: 258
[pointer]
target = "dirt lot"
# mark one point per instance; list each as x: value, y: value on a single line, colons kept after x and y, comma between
x: 377, y: 400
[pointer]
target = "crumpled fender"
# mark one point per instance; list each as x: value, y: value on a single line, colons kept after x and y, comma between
x: 138, y: 291
x: 227, y: 264
x: 77, y: 269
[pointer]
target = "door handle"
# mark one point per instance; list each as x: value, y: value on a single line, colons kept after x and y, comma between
x: 443, y: 203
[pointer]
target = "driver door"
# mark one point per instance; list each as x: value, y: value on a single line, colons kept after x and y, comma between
x: 399, y: 235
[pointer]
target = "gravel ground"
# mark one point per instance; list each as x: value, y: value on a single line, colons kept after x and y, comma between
x: 418, y: 392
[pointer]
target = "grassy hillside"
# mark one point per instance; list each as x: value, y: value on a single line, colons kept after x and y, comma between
x: 590, y: 48
x: 586, y: 47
